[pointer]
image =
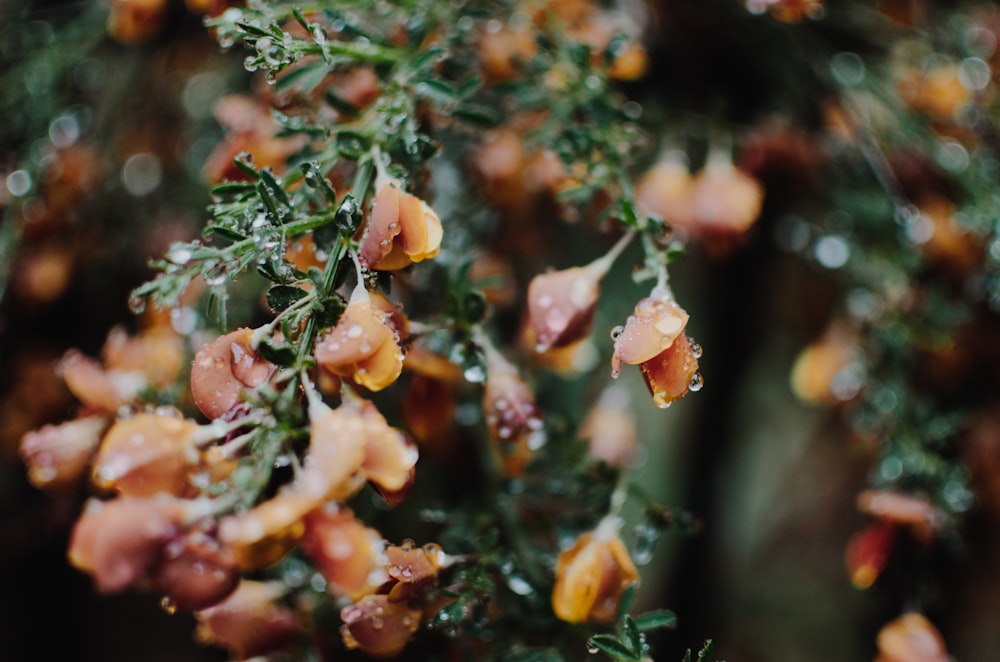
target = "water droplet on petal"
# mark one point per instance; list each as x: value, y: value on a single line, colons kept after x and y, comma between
x: 617, y: 331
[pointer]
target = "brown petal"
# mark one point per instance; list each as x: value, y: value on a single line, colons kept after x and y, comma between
x: 249, y: 622
x: 346, y: 552
x: 360, y: 333
x: 120, y: 540
x: 383, y: 226
x: 378, y: 627
x: 223, y: 368
x: 263, y: 534
x: 197, y: 573
x: 670, y: 374
x: 561, y: 305
x: 93, y: 386
x: 652, y: 328
x: 411, y: 568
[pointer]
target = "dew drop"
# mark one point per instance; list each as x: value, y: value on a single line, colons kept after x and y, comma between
x: 475, y: 374
x: 168, y: 605
x: 696, y: 382
x: 617, y: 332
x: 696, y: 350
x: 137, y: 304
x: 592, y: 649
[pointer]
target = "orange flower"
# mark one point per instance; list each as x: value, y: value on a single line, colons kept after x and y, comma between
x: 57, y: 455
x: 403, y: 229
x: 592, y: 575
x: 725, y: 201
x: 197, y: 572
x: 665, y: 190
x: 120, y: 540
x: 653, y: 338
x: 411, y: 568
x: 829, y: 370
x: 911, y: 638
x: 134, y: 21
x: 362, y: 347
x: 223, y: 368
x: 265, y: 533
x: 348, y: 553
x: 249, y: 622
x: 379, y: 627
x: 917, y: 513
x: 147, y: 454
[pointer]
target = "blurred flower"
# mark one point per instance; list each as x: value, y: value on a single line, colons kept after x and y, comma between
x: 561, y: 305
x: 725, y: 202
x: 787, y: 11
x: 120, y: 540
x: 379, y: 627
x: 249, y: 622
x: 592, y: 575
x: 916, y: 513
x: 223, y: 368
x: 829, y: 370
x: 197, y: 572
x: 250, y: 128
x: 504, y: 52
x: 937, y: 92
x: 868, y: 551
x: 512, y: 419
x: 402, y: 229
x: 362, y: 346
x: 610, y: 430
x: 347, y: 553
x: 58, y: 455
x: 147, y: 454
x: 665, y: 190
x: 135, y: 21
x: 911, y: 638
x: 266, y: 532
x: 653, y: 338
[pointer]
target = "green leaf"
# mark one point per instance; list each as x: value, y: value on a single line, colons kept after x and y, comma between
x: 250, y: 28
x: 340, y: 104
x: 437, y: 89
x: 332, y: 308
x: 274, y: 186
x: 246, y: 166
x: 706, y: 651
x: 654, y: 620
x: 351, y: 145
x: 613, y: 647
x: 231, y: 187
x: 283, y: 354
x: 280, y: 297
x: 303, y: 78
x: 630, y: 632
x: 225, y: 233
x: 477, y: 114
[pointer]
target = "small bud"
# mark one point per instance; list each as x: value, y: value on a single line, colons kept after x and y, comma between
x: 561, y: 305
x: 513, y: 420
x: 868, y: 552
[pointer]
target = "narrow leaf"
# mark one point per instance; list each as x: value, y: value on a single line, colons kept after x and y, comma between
x: 613, y: 647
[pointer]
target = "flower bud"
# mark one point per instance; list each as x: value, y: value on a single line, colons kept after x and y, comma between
x: 591, y: 577
x: 58, y: 455
x: 347, y: 553
x: 378, y: 627
x: 653, y: 338
x: 147, y: 454
x: 561, y: 305
x: 223, y: 368
x: 911, y: 638
x: 665, y: 190
x: 829, y: 370
x: 362, y: 346
x: 120, y: 540
x: 725, y: 202
x: 403, y: 229
x: 390, y: 458
x: 249, y: 622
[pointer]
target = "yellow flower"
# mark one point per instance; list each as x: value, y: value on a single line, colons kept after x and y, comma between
x: 592, y: 575
x: 363, y: 346
x: 403, y: 229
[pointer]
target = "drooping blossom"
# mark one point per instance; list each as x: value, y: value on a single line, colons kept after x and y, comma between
x: 911, y: 638
x: 250, y: 622
x: 378, y: 626
x: 513, y: 420
x: 223, y: 368
x: 402, y: 230
x: 362, y: 346
x: 653, y: 338
x: 58, y: 455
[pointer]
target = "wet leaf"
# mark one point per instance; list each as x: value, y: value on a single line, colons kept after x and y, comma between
x: 613, y: 647
x: 280, y: 297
